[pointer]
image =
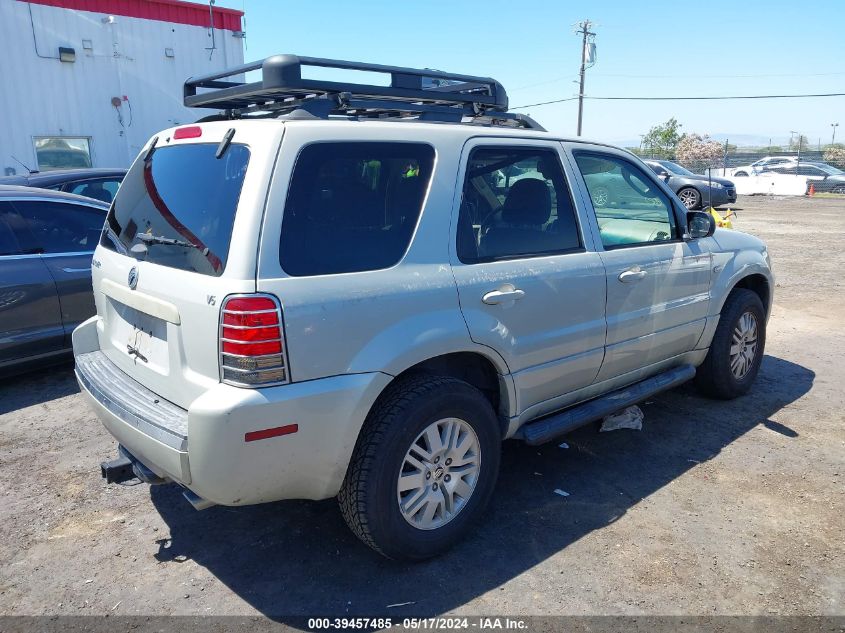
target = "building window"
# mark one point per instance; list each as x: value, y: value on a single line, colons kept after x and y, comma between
x: 62, y: 152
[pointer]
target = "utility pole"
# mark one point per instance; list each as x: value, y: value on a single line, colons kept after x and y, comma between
x: 833, y: 136
x: 798, y: 159
x: 584, y: 30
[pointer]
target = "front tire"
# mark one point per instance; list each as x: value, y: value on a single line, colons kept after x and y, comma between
x: 690, y: 197
x: 600, y: 196
x: 737, y: 348
x: 424, y: 468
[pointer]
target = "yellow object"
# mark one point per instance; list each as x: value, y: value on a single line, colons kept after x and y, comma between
x: 722, y: 221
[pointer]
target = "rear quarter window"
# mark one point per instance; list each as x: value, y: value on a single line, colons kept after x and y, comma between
x: 353, y: 206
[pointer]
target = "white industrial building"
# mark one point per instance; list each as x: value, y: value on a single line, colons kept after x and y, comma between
x: 87, y: 82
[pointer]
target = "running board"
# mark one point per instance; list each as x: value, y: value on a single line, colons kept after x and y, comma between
x: 548, y: 428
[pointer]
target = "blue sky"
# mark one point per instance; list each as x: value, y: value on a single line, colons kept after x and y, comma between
x: 654, y: 48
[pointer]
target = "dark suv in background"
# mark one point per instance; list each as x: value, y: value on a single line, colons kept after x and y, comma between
x: 47, y: 239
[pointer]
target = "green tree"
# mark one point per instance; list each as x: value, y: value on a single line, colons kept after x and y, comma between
x: 772, y: 149
x: 661, y: 140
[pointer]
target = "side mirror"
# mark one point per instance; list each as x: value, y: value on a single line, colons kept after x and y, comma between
x: 700, y: 224
x: 664, y: 176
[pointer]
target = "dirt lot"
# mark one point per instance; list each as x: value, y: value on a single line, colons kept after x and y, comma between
x: 714, y: 508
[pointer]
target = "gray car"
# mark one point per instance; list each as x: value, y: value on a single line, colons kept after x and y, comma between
x: 46, y: 242
x: 99, y: 183
x: 694, y: 190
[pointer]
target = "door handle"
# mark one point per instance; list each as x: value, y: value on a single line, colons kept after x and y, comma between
x: 631, y: 275
x: 502, y: 296
x: 76, y: 270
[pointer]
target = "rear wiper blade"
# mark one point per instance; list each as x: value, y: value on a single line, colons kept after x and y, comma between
x: 147, y: 238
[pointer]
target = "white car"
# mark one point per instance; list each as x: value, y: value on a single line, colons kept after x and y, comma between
x: 341, y: 296
x: 764, y: 164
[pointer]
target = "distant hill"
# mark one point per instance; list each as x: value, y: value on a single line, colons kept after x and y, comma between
x: 740, y: 140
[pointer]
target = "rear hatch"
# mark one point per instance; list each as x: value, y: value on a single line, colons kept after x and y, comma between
x: 181, y: 235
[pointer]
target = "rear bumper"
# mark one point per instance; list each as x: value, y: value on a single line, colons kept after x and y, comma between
x: 204, y: 448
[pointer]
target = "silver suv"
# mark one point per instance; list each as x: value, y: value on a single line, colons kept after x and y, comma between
x: 334, y: 289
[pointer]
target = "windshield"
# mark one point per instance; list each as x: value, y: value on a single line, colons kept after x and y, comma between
x: 830, y: 169
x: 177, y: 207
x: 675, y: 168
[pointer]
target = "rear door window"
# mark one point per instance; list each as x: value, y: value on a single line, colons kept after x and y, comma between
x: 103, y: 189
x: 8, y: 243
x: 353, y: 206
x: 59, y: 227
x: 180, y: 204
x: 515, y: 204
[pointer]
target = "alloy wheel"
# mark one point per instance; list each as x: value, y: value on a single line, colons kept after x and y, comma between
x: 601, y: 197
x: 689, y: 198
x: 438, y: 474
x: 743, y: 345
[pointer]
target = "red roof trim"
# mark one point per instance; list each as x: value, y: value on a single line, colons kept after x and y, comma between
x: 175, y: 11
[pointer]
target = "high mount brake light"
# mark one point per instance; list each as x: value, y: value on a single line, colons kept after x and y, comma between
x: 192, y: 131
x: 252, y: 348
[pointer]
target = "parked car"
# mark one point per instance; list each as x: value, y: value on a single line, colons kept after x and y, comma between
x: 100, y: 184
x: 46, y: 242
x: 824, y: 177
x: 762, y: 165
x: 694, y: 190
x: 309, y: 304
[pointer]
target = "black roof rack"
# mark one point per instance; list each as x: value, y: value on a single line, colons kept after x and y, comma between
x: 425, y: 94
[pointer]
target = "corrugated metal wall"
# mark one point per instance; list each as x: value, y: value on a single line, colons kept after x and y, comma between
x: 42, y: 96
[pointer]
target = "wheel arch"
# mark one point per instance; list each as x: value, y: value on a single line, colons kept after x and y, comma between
x: 757, y: 283
x: 474, y: 367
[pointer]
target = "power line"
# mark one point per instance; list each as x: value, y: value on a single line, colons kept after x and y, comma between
x: 720, y: 76
x: 800, y: 96
x: 531, y: 105
x: 803, y: 96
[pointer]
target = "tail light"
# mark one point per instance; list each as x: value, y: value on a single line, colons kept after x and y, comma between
x: 252, y: 342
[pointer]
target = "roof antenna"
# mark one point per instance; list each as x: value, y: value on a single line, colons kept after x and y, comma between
x: 31, y: 171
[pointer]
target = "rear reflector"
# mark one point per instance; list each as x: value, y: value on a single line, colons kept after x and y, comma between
x: 268, y: 433
x: 192, y: 131
x: 252, y: 350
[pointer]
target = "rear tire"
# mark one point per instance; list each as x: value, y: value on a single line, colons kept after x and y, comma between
x: 424, y: 468
x: 736, y: 350
x: 741, y: 174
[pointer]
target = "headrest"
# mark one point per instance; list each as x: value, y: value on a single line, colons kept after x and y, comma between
x: 528, y: 203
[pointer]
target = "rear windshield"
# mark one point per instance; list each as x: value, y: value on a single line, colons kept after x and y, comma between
x: 177, y: 207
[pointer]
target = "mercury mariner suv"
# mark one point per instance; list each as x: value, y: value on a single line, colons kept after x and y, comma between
x: 336, y: 289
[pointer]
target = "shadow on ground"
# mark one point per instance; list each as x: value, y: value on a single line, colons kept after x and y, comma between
x: 298, y: 558
x: 37, y: 387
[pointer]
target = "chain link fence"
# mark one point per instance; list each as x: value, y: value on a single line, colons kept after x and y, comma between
x: 741, y: 162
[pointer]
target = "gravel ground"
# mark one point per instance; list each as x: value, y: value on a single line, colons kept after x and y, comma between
x: 713, y: 508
